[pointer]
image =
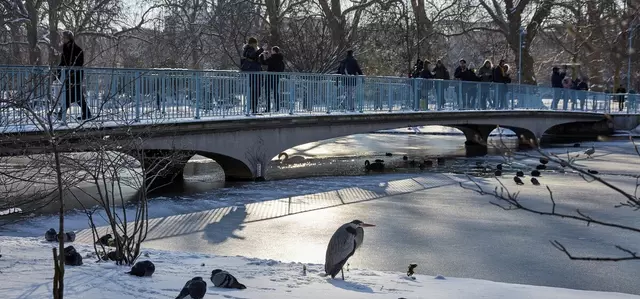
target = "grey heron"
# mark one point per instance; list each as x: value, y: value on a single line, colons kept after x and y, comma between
x: 343, y: 245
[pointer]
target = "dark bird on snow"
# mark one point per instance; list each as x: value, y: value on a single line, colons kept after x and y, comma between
x: 592, y: 171
x: 590, y: 151
x: 405, y: 158
x: 499, y: 166
x: 72, y: 257
x: 541, y: 167
x: 378, y: 161
x: 222, y: 279
x: 343, y: 245
x: 520, y: 173
x: 51, y: 235
x: 535, y: 173
x: 498, y: 173
x: 535, y: 182
x: 544, y: 160
x: 195, y: 288
x: 104, y: 240
x: 518, y: 180
x: 113, y: 256
x: 143, y: 269
x: 376, y: 166
x: 68, y: 237
x: 388, y: 154
x: 410, y: 272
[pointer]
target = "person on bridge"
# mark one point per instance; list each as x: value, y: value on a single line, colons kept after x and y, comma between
x: 620, y: 97
x: 350, y: 66
x: 556, y: 84
x: 581, y: 85
x: 485, y: 73
x: 500, y: 75
x: 467, y: 90
x: 250, y: 62
x: 71, y: 61
x: 441, y: 72
x: 274, y: 60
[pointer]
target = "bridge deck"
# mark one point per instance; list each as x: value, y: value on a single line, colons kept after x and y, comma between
x: 123, y: 97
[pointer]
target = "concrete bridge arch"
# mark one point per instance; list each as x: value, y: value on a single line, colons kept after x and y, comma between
x: 244, y: 147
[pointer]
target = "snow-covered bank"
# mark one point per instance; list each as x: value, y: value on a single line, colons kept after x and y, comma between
x: 441, y: 130
x: 27, y: 273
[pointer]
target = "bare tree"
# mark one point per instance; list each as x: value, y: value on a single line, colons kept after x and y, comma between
x: 114, y: 165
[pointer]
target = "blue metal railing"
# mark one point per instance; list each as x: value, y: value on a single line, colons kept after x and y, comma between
x: 139, y: 95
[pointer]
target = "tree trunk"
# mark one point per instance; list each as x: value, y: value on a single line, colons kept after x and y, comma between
x: 336, y: 22
x: 53, y: 31
x: 423, y: 28
x: 273, y: 13
x: 58, y: 293
x: 32, y: 32
x: 527, y: 72
x: 15, y: 47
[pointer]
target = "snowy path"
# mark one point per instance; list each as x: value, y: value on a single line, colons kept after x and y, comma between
x: 27, y: 261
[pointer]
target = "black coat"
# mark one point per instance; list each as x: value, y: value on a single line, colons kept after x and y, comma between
x: 466, y: 74
x: 349, y: 66
x: 441, y: 72
x: 485, y: 74
x: 250, y: 61
x: 499, y: 76
x: 556, y: 79
x: 426, y: 74
x: 583, y: 86
x: 72, y: 55
x: 275, y: 62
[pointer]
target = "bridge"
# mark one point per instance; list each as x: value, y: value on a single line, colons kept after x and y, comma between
x: 243, y: 120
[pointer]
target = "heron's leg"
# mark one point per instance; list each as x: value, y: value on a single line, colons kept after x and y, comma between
x: 342, y: 271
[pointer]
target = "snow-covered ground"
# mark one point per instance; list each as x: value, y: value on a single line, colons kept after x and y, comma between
x: 26, y: 272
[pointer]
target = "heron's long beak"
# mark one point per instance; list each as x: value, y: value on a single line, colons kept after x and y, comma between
x: 367, y: 225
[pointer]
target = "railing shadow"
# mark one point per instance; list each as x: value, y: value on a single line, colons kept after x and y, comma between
x: 220, y: 223
x: 218, y: 232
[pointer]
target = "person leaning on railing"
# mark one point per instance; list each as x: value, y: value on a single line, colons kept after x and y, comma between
x: 485, y: 73
x: 581, y: 86
x: 440, y: 72
x: 71, y: 62
x: 620, y: 97
x: 501, y: 75
x: 250, y: 62
x: 467, y: 91
x: 274, y: 60
x: 350, y: 66
x: 556, y: 84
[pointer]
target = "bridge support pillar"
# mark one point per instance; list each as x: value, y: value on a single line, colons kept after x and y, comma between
x: 162, y: 167
x: 477, y: 135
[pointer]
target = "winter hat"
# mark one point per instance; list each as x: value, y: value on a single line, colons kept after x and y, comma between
x: 68, y: 34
